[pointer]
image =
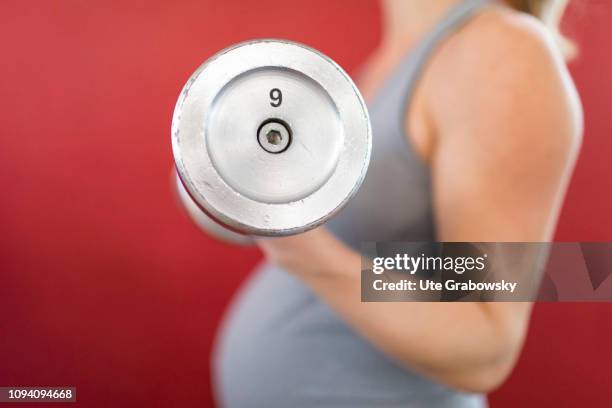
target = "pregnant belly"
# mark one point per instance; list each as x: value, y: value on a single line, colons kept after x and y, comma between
x: 280, y: 346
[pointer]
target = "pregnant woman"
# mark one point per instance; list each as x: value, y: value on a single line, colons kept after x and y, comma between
x: 476, y: 125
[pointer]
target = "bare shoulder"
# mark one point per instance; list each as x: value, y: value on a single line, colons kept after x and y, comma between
x: 501, y: 41
x: 503, y: 67
x: 499, y: 30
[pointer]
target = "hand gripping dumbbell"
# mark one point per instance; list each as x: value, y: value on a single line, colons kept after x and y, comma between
x: 270, y: 138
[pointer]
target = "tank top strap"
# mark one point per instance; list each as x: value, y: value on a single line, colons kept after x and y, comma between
x: 396, y: 94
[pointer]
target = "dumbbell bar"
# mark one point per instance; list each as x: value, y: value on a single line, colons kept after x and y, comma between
x: 270, y: 138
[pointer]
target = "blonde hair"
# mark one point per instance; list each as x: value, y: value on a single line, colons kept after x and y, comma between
x: 550, y: 12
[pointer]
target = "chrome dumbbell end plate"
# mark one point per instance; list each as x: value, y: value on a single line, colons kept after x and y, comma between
x: 270, y: 137
x: 206, y: 223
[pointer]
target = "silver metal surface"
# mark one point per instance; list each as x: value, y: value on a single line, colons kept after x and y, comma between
x: 207, y: 224
x: 288, y: 182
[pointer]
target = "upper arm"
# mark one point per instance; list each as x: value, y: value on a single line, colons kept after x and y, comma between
x: 507, y: 125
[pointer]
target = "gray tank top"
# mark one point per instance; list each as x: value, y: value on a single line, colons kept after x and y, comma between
x: 279, y: 345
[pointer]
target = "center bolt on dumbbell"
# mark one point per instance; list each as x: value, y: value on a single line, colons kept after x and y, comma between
x: 274, y: 136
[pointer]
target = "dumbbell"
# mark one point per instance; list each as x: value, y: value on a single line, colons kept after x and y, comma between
x: 270, y: 138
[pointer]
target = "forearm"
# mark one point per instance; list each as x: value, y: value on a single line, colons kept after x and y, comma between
x: 465, y: 345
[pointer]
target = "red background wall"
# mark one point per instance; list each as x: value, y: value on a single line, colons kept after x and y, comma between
x: 104, y: 282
